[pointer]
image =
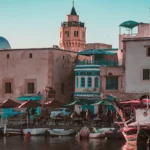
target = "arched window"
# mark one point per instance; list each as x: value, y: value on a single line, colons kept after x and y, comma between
x: 89, y: 82
x: 82, y: 82
x: 77, y: 81
x: 96, y: 83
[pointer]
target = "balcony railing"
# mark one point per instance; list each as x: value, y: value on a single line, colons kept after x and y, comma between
x: 101, y: 62
x: 72, y: 24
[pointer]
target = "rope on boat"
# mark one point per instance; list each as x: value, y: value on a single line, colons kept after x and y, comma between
x: 146, y: 134
x: 129, y: 119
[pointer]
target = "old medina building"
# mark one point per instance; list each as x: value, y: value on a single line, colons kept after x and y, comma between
x: 125, y: 73
x: 44, y: 73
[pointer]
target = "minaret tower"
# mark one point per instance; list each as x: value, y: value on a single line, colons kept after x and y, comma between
x: 72, y: 33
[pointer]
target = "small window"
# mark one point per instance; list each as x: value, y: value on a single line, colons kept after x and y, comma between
x: 30, y: 55
x: 89, y: 73
x: 96, y: 73
x: 8, y: 87
x: 82, y: 73
x: 62, y: 88
x: 7, y: 56
x: 146, y: 74
x: 63, y: 57
x: 148, y: 51
x: 75, y: 34
x: 82, y: 82
x: 31, y: 88
x: 96, y: 82
x: 67, y: 33
x: 77, y: 73
x: 89, y: 82
x: 112, y: 83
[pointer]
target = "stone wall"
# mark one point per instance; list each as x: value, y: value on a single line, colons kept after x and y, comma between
x: 63, y: 74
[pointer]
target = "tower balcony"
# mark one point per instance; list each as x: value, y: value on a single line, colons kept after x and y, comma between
x: 72, y: 24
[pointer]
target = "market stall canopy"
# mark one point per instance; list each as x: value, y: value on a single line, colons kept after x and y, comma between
x: 85, y: 102
x: 26, y: 98
x: 53, y: 104
x: 131, y: 102
x: 129, y: 24
x: 9, y: 104
x: 103, y: 102
x: 97, y: 52
x: 30, y: 104
x: 80, y: 102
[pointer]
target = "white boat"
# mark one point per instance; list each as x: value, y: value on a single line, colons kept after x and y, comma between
x: 61, y: 132
x: 35, y: 131
x: 94, y: 133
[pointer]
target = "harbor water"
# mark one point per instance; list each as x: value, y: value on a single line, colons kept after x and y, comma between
x: 59, y: 143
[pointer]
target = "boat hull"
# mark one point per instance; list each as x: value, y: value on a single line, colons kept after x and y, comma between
x: 35, y: 131
x: 61, y: 132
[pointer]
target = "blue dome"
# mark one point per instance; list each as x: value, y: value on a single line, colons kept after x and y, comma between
x: 4, y: 44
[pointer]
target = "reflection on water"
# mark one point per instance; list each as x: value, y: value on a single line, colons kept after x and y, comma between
x: 60, y: 143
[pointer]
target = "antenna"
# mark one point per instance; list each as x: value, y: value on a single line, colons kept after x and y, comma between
x: 73, y: 3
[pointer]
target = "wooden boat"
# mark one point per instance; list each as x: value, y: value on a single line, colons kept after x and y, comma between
x: 61, y: 132
x: 35, y: 131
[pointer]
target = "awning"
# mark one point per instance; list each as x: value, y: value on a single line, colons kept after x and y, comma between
x: 26, y: 98
x: 103, y: 102
x: 97, y: 52
x: 88, y: 102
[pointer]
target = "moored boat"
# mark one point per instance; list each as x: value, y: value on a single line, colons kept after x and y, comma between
x: 86, y: 132
x: 61, y: 132
x: 35, y: 131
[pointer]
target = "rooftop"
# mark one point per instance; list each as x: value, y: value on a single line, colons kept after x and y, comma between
x: 35, y: 49
x: 137, y: 39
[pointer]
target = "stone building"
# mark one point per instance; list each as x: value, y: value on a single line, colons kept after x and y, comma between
x: 26, y: 73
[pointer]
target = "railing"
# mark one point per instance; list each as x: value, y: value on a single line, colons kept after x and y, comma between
x: 101, y: 62
x: 72, y: 24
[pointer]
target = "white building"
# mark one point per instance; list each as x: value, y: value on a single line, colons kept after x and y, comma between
x: 137, y: 66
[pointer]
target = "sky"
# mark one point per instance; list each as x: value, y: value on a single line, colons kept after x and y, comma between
x: 36, y: 23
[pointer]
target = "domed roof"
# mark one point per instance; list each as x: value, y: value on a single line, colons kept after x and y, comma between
x: 4, y: 44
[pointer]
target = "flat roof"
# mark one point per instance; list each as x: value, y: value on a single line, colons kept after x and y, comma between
x: 136, y: 39
x: 28, y: 49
